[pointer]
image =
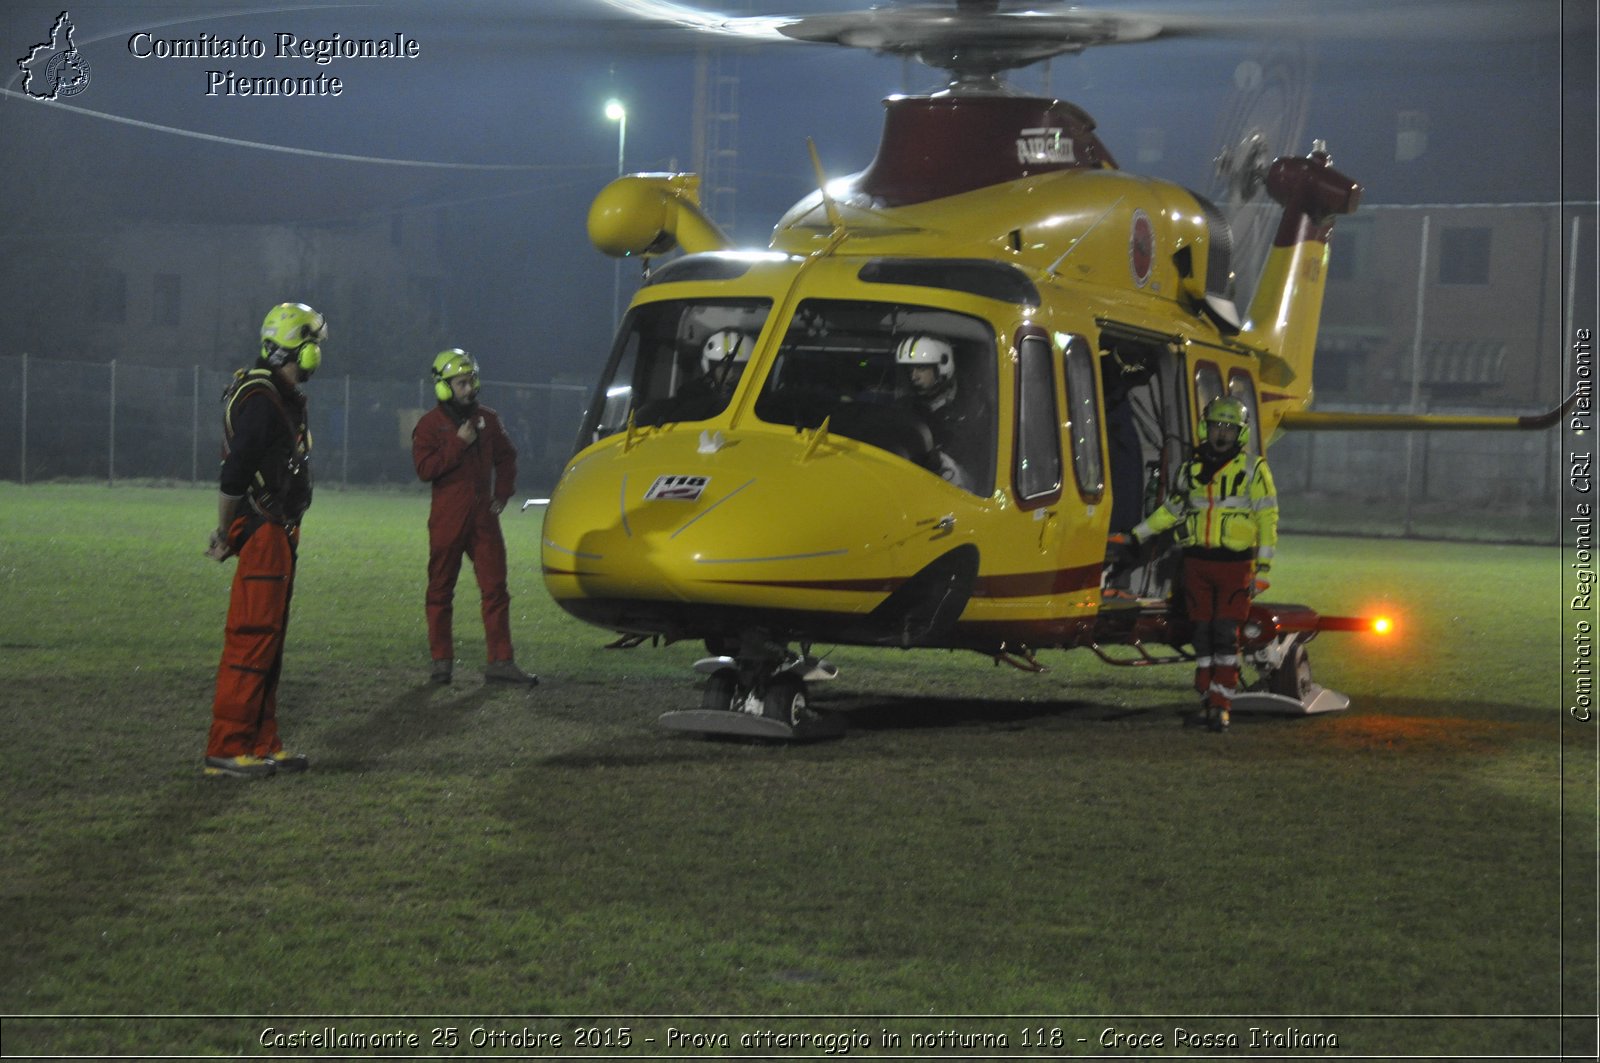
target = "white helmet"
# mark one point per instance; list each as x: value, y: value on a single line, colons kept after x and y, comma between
x: 725, y: 345
x: 927, y: 350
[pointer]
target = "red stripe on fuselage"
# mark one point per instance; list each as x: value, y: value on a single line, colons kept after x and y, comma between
x: 1011, y: 585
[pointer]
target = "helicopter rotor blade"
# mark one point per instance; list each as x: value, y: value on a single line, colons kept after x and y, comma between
x: 974, y: 38
x: 1266, y: 117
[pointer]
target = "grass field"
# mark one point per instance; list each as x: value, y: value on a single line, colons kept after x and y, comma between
x: 982, y: 843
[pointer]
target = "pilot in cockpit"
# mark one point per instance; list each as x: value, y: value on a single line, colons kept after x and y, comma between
x: 931, y: 363
x: 723, y: 358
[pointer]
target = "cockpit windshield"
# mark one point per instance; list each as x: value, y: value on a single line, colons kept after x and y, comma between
x: 677, y: 360
x: 913, y: 380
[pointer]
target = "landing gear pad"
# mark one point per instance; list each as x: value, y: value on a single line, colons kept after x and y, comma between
x: 1317, y: 700
x: 745, y: 725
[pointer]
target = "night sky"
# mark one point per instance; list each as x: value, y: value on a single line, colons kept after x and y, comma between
x: 508, y: 97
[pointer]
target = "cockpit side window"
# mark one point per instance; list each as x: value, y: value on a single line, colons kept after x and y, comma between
x: 678, y: 360
x: 916, y: 381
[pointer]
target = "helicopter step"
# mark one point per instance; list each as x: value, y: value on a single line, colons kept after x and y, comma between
x: 1286, y: 687
x: 744, y: 725
x: 762, y: 699
x: 1318, y: 700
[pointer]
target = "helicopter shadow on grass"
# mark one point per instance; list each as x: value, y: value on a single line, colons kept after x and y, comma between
x: 906, y: 712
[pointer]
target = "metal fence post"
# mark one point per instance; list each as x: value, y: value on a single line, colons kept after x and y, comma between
x: 111, y: 431
x: 22, y: 454
x: 344, y: 441
x: 1416, y: 371
x: 194, y: 430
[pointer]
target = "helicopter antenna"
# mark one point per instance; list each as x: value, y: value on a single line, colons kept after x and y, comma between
x: 828, y: 204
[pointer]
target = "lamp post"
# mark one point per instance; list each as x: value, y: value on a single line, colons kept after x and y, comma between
x: 616, y: 112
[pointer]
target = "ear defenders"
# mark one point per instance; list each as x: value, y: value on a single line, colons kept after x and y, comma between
x: 448, y: 365
x: 308, y: 356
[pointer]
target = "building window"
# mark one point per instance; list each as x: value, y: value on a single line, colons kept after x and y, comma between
x: 108, y: 296
x: 427, y: 295
x: 1464, y: 255
x: 1411, y: 135
x: 166, y: 299
x: 1350, y: 250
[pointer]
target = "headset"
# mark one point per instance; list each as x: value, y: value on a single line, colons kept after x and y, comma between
x: 308, y: 356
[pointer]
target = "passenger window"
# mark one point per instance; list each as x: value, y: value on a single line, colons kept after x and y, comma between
x: 1241, y: 388
x: 1083, y: 419
x: 1207, y: 386
x: 1038, y: 461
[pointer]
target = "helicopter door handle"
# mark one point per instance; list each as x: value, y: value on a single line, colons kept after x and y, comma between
x: 946, y: 524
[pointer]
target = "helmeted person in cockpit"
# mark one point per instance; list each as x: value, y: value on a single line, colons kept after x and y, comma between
x: 723, y: 358
x: 931, y: 363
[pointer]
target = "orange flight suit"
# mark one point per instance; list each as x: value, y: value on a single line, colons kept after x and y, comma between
x: 467, y: 478
x: 267, y: 462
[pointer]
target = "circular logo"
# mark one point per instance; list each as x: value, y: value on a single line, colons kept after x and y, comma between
x: 1141, y: 248
x: 67, y: 74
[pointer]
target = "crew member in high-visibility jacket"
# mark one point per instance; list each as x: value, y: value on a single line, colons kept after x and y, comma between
x: 1226, y: 510
x: 264, y: 489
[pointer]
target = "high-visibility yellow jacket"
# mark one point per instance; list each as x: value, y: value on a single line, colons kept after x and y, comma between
x: 1235, y: 511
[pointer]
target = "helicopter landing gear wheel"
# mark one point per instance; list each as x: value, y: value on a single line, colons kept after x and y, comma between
x: 785, y: 701
x: 721, y: 689
x: 760, y: 695
x: 1285, y: 686
x: 1292, y: 679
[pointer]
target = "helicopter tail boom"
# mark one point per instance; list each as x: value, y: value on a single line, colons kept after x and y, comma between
x: 1283, y: 315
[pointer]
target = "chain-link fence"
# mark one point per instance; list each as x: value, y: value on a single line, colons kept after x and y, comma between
x: 83, y: 420
x: 1502, y: 486
x: 77, y: 420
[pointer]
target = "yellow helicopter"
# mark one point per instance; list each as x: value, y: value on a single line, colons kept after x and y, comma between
x: 915, y: 417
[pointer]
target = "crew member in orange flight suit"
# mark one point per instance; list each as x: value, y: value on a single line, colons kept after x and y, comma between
x: 462, y: 449
x: 263, y: 490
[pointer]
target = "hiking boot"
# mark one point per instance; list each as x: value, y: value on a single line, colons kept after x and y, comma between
x: 509, y: 672
x: 245, y: 767
x: 441, y: 670
x: 289, y: 762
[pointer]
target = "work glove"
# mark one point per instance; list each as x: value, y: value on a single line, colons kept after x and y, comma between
x: 1121, y: 547
x: 1261, y: 583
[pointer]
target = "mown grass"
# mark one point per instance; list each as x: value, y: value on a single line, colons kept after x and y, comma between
x: 981, y: 842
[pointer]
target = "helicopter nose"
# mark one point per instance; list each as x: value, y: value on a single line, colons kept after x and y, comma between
x: 760, y: 525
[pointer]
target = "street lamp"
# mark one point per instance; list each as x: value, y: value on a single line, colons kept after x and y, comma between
x: 617, y: 113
